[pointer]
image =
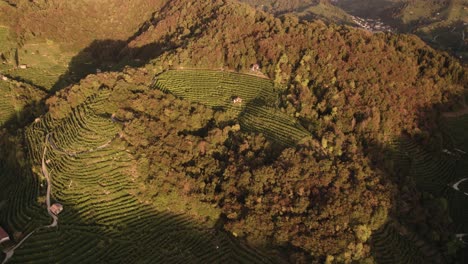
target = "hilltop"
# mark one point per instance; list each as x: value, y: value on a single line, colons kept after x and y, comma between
x: 209, y: 131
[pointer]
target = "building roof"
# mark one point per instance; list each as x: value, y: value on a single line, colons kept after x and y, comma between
x: 3, y: 235
x: 56, y: 208
x: 237, y: 100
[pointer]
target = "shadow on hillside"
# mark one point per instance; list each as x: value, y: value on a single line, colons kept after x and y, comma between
x: 426, y: 210
x: 142, y: 234
x: 108, y: 55
x: 100, y: 56
x: 177, y: 241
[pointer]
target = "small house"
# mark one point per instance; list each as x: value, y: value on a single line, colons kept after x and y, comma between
x: 3, y: 235
x: 237, y: 100
x: 255, y: 67
x: 56, y: 208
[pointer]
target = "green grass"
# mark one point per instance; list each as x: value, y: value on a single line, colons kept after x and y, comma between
x: 5, y: 39
x: 258, y: 111
x: 45, y: 61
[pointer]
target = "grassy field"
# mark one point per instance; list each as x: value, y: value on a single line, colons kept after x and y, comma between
x: 258, y: 111
x: 45, y: 63
x: 5, y: 39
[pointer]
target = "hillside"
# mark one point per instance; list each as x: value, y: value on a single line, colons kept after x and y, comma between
x: 211, y: 132
x: 310, y: 10
x: 442, y: 24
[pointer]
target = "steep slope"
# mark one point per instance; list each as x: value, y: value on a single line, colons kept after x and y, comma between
x: 345, y: 86
x: 442, y: 24
x: 310, y: 10
x: 103, y: 218
x: 162, y: 172
x: 18, y: 102
x: 44, y: 36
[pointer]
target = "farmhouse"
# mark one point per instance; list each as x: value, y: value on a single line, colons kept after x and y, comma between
x: 56, y: 208
x: 255, y: 67
x: 3, y: 235
x: 237, y: 100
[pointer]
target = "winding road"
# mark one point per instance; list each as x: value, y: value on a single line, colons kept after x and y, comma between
x: 46, y: 174
x: 10, y: 251
x: 455, y: 185
x: 48, y: 141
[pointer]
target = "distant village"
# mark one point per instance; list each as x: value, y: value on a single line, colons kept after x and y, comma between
x: 373, y: 25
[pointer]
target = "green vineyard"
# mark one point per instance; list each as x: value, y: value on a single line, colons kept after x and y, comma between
x: 102, y: 221
x: 390, y: 246
x: 434, y: 173
x: 216, y: 88
x: 273, y: 123
x: 7, y: 109
x: 456, y: 130
x: 257, y: 112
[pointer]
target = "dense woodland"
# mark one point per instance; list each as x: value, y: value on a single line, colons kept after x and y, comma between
x: 354, y: 91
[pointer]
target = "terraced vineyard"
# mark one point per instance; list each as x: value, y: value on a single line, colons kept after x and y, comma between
x: 256, y: 113
x: 435, y: 173
x: 456, y: 130
x: 390, y: 246
x: 7, y: 110
x: 216, y: 88
x: 273, y: 123
x: 102, y: 222
x: 432, y: 171
x: 20, y: 209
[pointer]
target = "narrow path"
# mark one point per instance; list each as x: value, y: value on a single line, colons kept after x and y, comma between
x: 456, y: 188
x: 45, y: 172
x: 459, y: 113
x: 10, y: 251
x: 74, y: 153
